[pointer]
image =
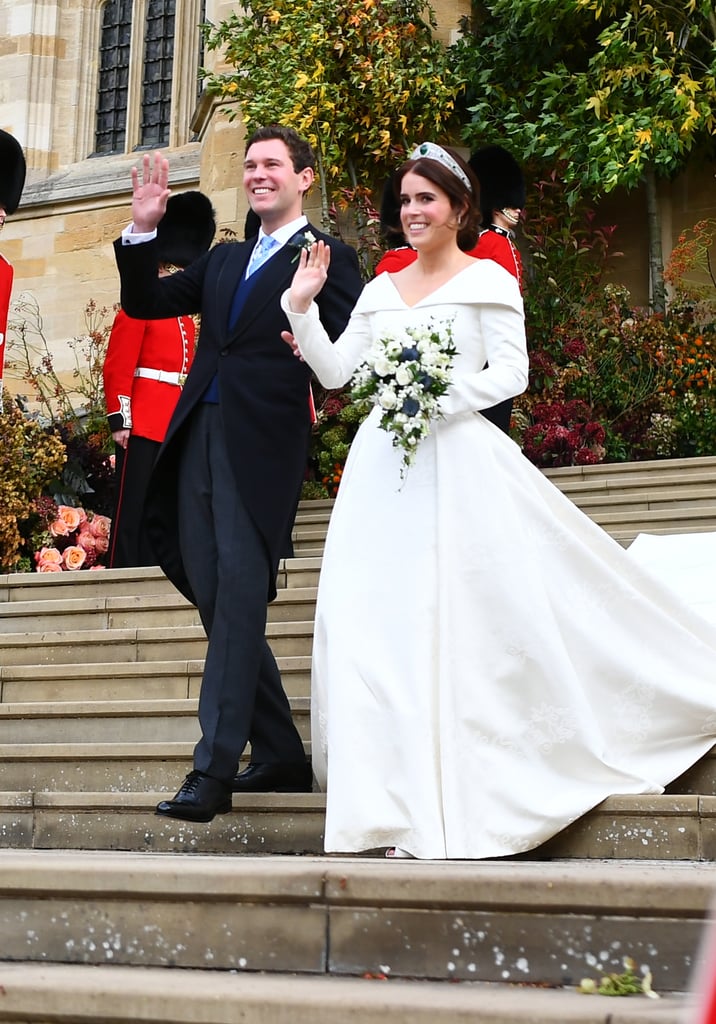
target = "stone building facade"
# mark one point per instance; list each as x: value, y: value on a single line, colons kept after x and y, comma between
x: 76, y: 199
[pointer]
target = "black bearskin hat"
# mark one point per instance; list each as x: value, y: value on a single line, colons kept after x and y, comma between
x: 390, y: 227
x: 187, y: 228
x: 12, y: 172
x: 501, y: 181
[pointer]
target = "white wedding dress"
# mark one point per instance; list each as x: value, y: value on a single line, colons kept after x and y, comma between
x: 488, y: 663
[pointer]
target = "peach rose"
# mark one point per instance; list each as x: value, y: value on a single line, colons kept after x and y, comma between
x: 93, y: 567
x: 100, y: 526
x: 48, y: 555
x: 58, y: 528
x: 49, y: 567
x: 86, y: 540
x: 73, y: 557
x: 101, y: 545
x: 71, y: 516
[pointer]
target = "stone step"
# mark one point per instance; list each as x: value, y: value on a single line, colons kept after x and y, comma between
x: 114, y: 721
x: 287, y: 639
x: 546, y: 923
x: 645, y: 501
x: 671, y: 828
x: 134, y: 680
x: 625, y: 536
x: 146, y: 610
x: 630, y: 516
x: 160, y: 764
x: 668, y: 469
x: 35, y: 993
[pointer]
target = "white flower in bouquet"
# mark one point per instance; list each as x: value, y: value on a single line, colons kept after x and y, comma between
x: 405, y: 375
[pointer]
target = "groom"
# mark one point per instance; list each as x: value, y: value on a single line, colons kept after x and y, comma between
x: 225, y: 487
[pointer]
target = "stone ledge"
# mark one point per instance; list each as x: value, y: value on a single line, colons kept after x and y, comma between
x: 126, y: 995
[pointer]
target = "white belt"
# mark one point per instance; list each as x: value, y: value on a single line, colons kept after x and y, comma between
x: 163, y: 376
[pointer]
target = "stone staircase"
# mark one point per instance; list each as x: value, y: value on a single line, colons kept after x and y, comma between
x: 99, y: 679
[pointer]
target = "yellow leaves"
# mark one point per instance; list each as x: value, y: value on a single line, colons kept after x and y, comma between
x: 301, y: 80
x: 274, y: 17
x: 595, y: 102
x: 643, y: 136
x: 687, y: 85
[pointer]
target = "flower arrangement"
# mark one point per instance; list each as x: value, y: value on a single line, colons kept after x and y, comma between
x: 304, y: 241
x: 75, y: 539
x: 405, y: 376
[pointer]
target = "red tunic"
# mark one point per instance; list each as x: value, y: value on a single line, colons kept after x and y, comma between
x: 6, y: 274
x: 491, y: 245
x: 137, y: 402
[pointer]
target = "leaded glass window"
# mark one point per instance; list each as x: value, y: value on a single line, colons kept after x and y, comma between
x: 113, y: 76
x: 157, y: 78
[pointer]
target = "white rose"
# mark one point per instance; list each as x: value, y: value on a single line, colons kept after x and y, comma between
x: 388, y: 399
x: 383, y: 366
x: 403, y: 375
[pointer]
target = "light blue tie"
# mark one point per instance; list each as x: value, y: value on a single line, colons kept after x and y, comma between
x: 262, y: 251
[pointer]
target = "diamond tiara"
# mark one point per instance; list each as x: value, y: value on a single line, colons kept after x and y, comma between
x: 429, y: 151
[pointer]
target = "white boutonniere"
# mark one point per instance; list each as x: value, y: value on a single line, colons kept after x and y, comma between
x: 304, y: 241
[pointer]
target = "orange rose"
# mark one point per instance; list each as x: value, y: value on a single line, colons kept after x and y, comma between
x: 48, y: 555
x: 49, y: 567
x: 58, y: 528
x: 72, y: 517
x: 73, y: 557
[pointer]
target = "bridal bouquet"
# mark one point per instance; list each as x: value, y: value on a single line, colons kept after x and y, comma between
x: 405, y: 375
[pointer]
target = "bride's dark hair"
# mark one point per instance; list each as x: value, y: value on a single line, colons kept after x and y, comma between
x: 465, y: 203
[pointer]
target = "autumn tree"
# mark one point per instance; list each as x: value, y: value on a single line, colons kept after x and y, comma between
x: 618, y: 92
x: 360, y: 79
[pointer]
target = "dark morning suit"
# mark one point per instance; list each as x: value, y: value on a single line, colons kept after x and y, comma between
x: 249, y: 451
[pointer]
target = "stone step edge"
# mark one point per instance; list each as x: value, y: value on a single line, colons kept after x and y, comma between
x: 665, y: 805
x: 130, y: 634
x: 140, y: 604
x: 641, y: 466
x: 145, y: 995
x: 151, y: 708
x: 656, y: 888
x: 160, y: 751
x: 131, y: 669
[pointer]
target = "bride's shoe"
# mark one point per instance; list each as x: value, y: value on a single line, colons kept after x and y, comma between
x: 396, y: 851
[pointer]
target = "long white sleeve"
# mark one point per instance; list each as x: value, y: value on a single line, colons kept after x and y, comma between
x: 506, y: 375
x: 332, y: 362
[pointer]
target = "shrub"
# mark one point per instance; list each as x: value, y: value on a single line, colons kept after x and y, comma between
x: 30, y: 458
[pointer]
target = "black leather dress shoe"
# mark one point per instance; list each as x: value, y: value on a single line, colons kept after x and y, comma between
x: 279, y: 777
x: 200, y: 798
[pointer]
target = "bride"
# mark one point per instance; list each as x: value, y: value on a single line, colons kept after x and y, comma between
x: 488, y: 663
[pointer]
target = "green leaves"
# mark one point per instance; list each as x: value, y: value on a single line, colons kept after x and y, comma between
x: 610, y: 87
x: 361, y: 79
